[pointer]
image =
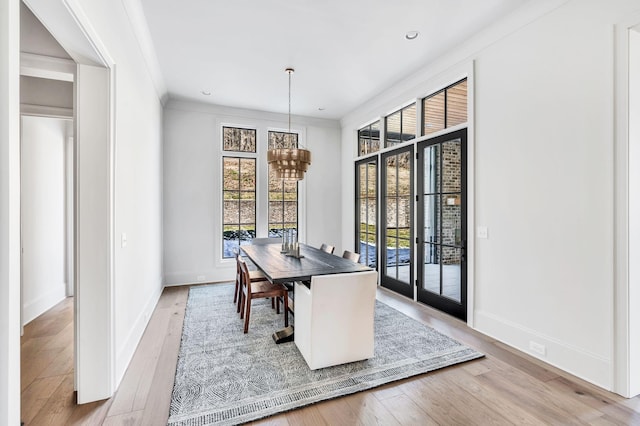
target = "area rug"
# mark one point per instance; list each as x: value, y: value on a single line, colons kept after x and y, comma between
x: 225, y: 377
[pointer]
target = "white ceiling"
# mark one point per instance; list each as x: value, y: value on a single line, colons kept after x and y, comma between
x: 344, y: 51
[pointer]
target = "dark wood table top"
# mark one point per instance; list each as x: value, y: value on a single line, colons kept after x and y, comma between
x: 279, y: 267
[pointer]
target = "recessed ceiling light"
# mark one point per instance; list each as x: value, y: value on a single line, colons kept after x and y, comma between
x: 206, y: 92
x: 411, y: 35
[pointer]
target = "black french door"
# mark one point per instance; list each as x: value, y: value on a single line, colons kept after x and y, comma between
x: 367, y: 211
x: 442, y: 223
x: 396, y: 263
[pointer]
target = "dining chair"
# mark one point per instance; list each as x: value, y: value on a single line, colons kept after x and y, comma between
x: 253, y: 276
x: 354, y: 257
x: 259, y: 290
x: 327, y: 248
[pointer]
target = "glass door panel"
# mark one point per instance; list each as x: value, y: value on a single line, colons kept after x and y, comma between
x: 397, y: 216
x: 367, y: 211
x: 442, y: 223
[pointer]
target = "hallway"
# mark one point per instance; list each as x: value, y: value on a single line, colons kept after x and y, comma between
x: 47, y: 371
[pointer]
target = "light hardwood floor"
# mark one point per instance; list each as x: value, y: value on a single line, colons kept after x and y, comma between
x: 505, y: 387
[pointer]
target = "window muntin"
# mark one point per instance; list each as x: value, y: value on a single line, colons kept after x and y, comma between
x: 283, y: 194
x: 400, y: 126
x: 446, y: 108
x: 238, y: 139
x: 369, y: 139
x: 239, y: 203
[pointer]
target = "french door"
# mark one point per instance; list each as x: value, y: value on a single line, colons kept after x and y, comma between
x: 367, y: 211
x: 442, y: 223
x: 397, y: 218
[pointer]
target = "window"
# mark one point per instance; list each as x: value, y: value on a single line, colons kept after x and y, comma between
x: 369, y: 139
x: 283, y: 194
x: 446, y: 108
x: 238, y: 139
x: 239, y: 203
x: 367, y: 210
x: 401, y: 126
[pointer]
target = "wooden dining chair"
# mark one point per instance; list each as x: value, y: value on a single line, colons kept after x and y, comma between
x: 253, y: 276
x: 327, y: 248
x: 259, y: 290
x: 354, y: 257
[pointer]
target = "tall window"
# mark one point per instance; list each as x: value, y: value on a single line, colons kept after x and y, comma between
x: 401, y: 126
x: 446, y: 108
x: 369, y: 138
x: 283, y: 194
x: 367, y: 210
x: 238, y: 190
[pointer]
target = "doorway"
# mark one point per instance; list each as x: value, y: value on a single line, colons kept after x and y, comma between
x: 442, y: 223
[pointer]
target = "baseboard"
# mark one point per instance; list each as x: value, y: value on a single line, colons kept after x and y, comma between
x: 34, y: 308
x: 574, y: 360
x: 217, y: 275
x: 135, y: 334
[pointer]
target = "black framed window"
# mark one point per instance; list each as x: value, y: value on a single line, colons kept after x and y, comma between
x: 239, y: 203
x: 400, y: 126
x: 369, y: 139
x: 444, y: 109
x: 367, y: 211
x: 238, y: 139
x: 283, y: 194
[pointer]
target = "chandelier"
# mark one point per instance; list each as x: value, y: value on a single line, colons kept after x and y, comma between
x: 289, y: 163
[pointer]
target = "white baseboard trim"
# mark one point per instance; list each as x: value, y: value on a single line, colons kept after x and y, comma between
x: 34, y: 308
x: 217, y: 275
x: 572, y: 359
x: 135, y: 334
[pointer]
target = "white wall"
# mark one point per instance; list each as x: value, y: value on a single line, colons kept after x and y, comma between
x: 543, y: 180
x: 43, y: 200
x: 193, y: 194
x: 9, y: 213
x: 137, y: 168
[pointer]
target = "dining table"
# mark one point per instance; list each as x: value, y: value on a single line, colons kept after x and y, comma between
x: 281, y: 267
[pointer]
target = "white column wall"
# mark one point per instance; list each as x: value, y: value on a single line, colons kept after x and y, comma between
x: 137, y: 178
x: 544, y: 138
x: 104, y: 33
x: 193, y: 194
x: 9, y: 212
x: 634, y: 212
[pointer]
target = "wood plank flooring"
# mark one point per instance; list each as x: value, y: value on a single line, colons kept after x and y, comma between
x: 505, y: 387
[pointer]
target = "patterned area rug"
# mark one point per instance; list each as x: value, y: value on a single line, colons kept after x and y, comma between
x: 225, y: 377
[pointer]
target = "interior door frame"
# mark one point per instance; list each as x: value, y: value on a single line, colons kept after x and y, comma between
x: 405, y: 289
x: 439, y: 302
